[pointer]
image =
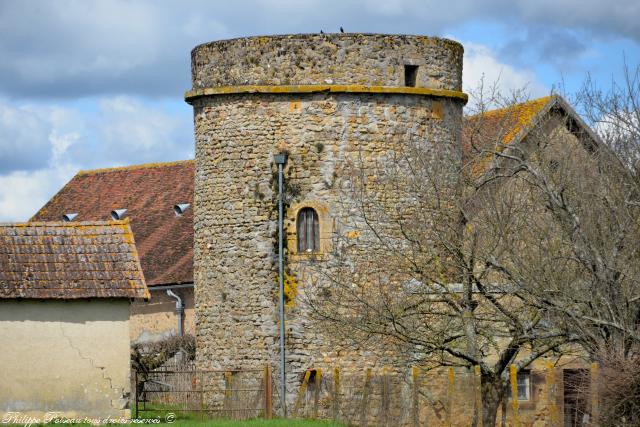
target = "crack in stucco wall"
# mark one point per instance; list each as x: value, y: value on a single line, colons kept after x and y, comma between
x: 119, y: 391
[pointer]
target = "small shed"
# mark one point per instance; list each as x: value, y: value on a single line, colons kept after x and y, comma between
x: 65, y: 295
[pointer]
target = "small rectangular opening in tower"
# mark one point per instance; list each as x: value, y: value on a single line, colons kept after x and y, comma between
x: 410, y: 74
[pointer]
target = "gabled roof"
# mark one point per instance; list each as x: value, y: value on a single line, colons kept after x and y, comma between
x: 148, y: 193
x: 495, y: 130
x: 69, y: 260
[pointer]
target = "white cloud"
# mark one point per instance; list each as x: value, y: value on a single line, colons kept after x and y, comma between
x: 117, y: 131
x: 23, y: 139
x: 73, y: 48
x: 482, y: 63
x: 23, y: 193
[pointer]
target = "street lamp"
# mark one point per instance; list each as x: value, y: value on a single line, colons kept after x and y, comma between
x: 280, y: 159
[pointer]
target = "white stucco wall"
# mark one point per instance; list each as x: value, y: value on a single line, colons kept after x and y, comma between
x: 70, y: 357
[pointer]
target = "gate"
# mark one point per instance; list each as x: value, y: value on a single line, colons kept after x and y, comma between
x: 234, y: 394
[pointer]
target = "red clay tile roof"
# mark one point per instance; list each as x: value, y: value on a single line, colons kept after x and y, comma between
x: 69, y: 260
x: 149, y: 193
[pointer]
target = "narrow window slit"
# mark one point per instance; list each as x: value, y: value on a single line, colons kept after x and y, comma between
x: 308, y: 228
x: 312, y: 376
x: 410, y: 75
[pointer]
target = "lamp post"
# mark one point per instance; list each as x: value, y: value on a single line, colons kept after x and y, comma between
x: 280, y: 160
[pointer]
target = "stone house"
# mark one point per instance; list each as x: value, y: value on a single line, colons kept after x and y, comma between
x: 521, y: 125
x: 65, y: 295
x: 324, y: 99
x: 157, y: 199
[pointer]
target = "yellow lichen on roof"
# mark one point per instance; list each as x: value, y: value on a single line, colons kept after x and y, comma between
x: 69, y: 260
x: 517, y: 117
x: 501, y: 127
x: 133, y: 167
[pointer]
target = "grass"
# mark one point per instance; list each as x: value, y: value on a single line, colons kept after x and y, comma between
x: 213, y: 422
x: 193, y: 419
x: 254, y: 423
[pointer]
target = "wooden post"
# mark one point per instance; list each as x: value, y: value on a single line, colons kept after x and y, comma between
x: 135, y: 381
x: 595, y: 406
x: 301, y: 392
x: 450, y: 399
x: 268, y: 393
x: 365, y: 398
x: 336, y: 394
x: 316, y: 392
x: 415, y: 415
x: 513, y: 373
x: 198, y: 384
x: 228, y: 391
x: 384, y: 396
x: 478, y: 395
x: 551, y: 395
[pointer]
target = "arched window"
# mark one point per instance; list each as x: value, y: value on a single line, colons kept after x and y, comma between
x: 308, y: 228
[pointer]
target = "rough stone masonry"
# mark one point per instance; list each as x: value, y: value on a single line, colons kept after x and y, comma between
x: 321, y: 97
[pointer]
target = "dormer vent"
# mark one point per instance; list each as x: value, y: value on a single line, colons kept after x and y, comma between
x: 69, y: 217
x: 118, y: 213
x: 180, y: 208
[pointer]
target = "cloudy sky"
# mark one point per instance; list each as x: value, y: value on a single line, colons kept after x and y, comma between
x: 87, y: 84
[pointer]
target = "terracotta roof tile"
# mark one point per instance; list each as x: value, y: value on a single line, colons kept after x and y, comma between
x: 149, y: 193
x: 68, y: 260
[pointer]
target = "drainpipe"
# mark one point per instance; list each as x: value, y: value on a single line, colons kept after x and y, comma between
x: 280, y: 160
x: 179, y: 310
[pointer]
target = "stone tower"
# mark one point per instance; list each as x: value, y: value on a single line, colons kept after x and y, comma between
x: 319, y: 96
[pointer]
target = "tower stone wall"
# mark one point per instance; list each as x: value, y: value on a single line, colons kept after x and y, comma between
x: 324, y: 98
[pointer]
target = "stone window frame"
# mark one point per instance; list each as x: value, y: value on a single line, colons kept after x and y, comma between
x: 325, y: 224
x: 308, y: 230
x: 524, y: 383
x: 527, y: 376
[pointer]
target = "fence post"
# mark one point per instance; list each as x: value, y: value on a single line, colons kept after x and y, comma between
x: 268, y: 393
x: 198, y: 384
x: 415, y: 416
x: 551, y: 395
x: 301, y: 392
x: 513, y: 374
x: 478, y: 394
x: 384, y: 396
x: 228, y: 391
x: 336, y: 393
x: 450, y: 398
x: 595, y: 407
x: 316, y: 392
x: 365, y: 398
x: 135, y: 379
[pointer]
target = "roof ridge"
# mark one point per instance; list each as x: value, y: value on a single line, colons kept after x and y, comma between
x: 133, y: 167
x: 512, y: 107
x: 65, y: 223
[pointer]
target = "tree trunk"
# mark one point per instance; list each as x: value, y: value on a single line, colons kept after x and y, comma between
x: 492, y: 395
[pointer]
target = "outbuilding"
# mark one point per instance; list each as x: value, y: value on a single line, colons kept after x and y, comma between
x: 65, y: 295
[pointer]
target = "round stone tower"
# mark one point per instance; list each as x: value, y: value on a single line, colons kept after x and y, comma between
x: 319, y: 97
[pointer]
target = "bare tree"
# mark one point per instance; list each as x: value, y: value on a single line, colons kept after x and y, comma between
x: 591, y: 202
x: 582, y: 272
x: 437, y: 263
x: 597, y: 220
